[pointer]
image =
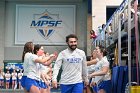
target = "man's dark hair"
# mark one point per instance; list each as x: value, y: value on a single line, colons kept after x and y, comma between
x: 71, y: 36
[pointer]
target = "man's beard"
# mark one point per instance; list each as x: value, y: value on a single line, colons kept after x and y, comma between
x: 72, y: 47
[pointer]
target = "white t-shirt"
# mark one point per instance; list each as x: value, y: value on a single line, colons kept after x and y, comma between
x: 14, y: 76
x: 20, y: 75
x: 74, y: 67
x: 26, y: 62
x: 91, y: 68
x: 7, y: 76
x: 43, y: 68
x: 33, y: 68
x: 99, y: 65
x: 2, y: 75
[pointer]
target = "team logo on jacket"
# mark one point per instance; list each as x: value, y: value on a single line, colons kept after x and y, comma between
x: 46, y: 23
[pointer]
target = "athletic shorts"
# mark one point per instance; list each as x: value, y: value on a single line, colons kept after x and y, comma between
x: 1, y: 79
x: 31, y: 82
x: 23, y: 81
x: 8, y: 81
x: 84, y: 87
x: 72, y: 88
x: 14, y: 80
x: 19, y: 80
x: 43, y: 85
x: 105, y: 85
x: 94, y: 88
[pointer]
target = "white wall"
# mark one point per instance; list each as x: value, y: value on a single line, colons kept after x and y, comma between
x: 14, y: 52
x: 2, y: 26
x: 99, y: 11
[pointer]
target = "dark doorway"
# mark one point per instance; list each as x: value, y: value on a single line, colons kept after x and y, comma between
x: 89, y: 6
x: 109, y: 12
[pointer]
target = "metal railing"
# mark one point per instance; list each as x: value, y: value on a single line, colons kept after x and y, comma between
x: 121, y: 18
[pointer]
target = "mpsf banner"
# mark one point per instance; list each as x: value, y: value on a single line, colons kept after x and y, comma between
x: 44, y: 24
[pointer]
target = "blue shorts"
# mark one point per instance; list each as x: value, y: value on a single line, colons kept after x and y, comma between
x: 2, y: 80
x: 23, y: 81
x: 72, y: 88
x: 105, y: 85
x: 8, y: 81
x: 94, y: 88
x: 31, y: 82
x: 14, y: 80
x: 84, y: 87
x: 19, y: 80
x: 43, y: 85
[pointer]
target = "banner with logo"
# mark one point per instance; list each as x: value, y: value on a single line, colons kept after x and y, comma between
x: 44, y: 24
